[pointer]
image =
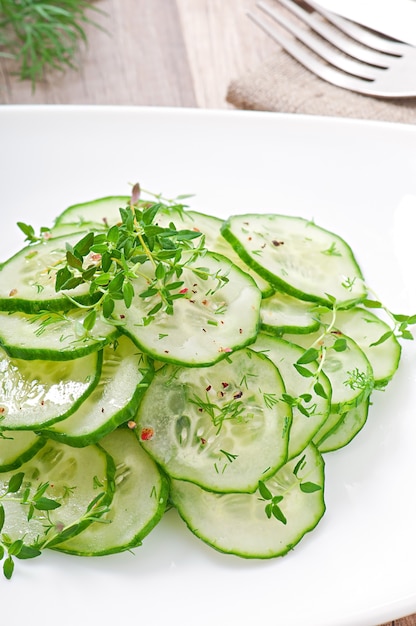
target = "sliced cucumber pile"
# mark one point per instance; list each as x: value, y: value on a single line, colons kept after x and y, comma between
x: 213, y: 376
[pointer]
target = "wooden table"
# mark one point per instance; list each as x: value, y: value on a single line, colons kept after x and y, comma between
x: 158, y: 53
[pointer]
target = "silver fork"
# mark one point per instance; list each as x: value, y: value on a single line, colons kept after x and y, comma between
x: 343, y: 53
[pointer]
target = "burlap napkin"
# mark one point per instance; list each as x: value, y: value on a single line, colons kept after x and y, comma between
x: 282, y: 84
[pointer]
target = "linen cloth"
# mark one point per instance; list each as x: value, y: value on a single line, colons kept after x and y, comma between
x: 282, y: 84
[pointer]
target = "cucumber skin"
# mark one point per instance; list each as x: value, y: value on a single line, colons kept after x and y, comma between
x: 120, y: 418
x: 74, y: 407
x: 25, y: 456
x: 43, y: 354
x: 137, y: 540
x: 277, y: 282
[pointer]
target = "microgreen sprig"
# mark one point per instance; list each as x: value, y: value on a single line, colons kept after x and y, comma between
x: 400, y: 322
x: 137, y: 247
x: 38, y: 502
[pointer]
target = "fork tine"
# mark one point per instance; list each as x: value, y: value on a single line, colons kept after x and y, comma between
x: 329, y: 54
x: 297, y: 51
x: 364, y: 36
x: 345, y: 44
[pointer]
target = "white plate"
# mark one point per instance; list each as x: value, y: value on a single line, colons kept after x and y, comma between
x: 357, y: 567
x: 395, y: 18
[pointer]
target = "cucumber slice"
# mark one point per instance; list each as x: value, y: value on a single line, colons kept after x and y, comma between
x: 73, y: 479
x: 138, y: 504
x: 34, y: 394
x: 52, y: 335
x: 211, y: 228
x: 17, y: 447
x: 102, y: 212
x: 310, y: 410
x: 281, y: 313
x: 202, y: 329
x: 349, y: 370
x: 297, y: 257
x: 27, y: 279
x: 240, y: 524
x: 125, y: 375
x: 366, y: 329
x: 344, y: 431
x: 221, y: 427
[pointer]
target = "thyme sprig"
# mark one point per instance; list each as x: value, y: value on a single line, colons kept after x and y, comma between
x: 44, y: 35
x: 400, y: 322
x: 39, y: 503
x: 109, y: 262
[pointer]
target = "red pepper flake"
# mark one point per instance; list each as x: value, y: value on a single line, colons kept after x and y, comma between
x: 146, y: 434
x: 184, y: 290
x: 122, y: 316
x: 131, y: 424
x: 13, y: 292
x: 277, y: 243
x: 240, y: 331
x: 208, y: 388
x: 237, y: 395
x: 225, y: 385
x: 2, y: 410
x: 203, y: 441
x: 102, y: 409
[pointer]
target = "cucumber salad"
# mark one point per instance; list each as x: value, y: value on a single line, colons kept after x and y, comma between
x: 154, y: 356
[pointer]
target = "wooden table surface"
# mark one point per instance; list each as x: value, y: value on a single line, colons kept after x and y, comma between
x: 157, y: 53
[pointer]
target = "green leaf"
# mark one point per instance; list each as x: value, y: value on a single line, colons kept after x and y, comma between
x: 8, y: 567
x: 299, y: 465
x: 112, y: 235
x: 340, y: 344
x: 264, y: 491
x: 84, y: 245
x: 372, y: 304
x: 309, y: 487
x: 15, y: 482
x: 2, y: 517
x: 27, y: 230
x: 15, y: 547
x: 28, y: 552
x: 73, y: 261
x: 108, y: 306
x: 303, y: 371
x: 278, y: 514
x: 307, y: 357
x: 89, y: 320
x: 62, y: 277
x: 46, y: 504
x: 382, y: 339
x: 128, y: 294
x: 320, y: 391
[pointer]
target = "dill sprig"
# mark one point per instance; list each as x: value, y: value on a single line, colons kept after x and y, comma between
x: 43, y: 35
